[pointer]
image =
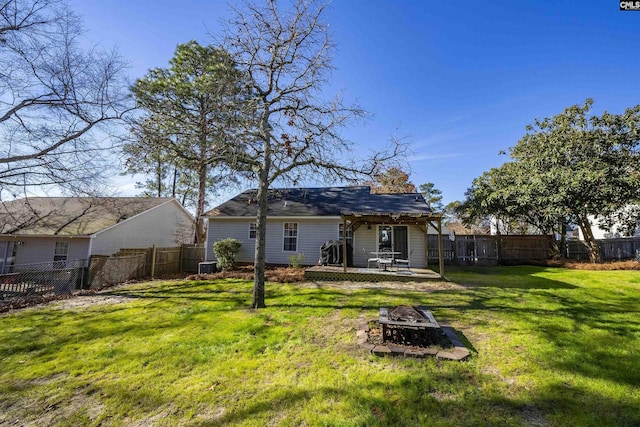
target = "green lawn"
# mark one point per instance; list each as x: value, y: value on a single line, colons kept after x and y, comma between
x: 549, y: 347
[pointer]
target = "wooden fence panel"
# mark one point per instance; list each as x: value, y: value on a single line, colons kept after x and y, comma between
x: 474, y: 249
x: 619, y: 249
x: 449, y: 253
x: 192, y: 256
x: 108, y: 271
x: 523, y: 248
x: 167, y: 261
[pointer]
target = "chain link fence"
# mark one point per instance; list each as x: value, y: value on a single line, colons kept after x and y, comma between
x: 24, y: 282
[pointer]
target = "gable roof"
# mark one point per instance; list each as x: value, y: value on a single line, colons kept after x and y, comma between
x: 324, y: 201
x: 70, y: 216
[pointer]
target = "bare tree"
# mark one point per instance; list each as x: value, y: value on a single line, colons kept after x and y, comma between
x: 292, y: 131
x: 56, y: 99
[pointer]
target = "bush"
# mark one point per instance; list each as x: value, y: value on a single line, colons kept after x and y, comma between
x: 297, y: 260
x: 226, y: 251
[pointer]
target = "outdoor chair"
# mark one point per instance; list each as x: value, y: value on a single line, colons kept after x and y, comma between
x: 370, y: 259
x: 404, y: 262
x: 385, y: 262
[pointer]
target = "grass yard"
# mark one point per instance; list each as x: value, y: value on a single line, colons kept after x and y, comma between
x: 549, y: 346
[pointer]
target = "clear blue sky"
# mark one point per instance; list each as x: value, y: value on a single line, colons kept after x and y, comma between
x: 462, y: 78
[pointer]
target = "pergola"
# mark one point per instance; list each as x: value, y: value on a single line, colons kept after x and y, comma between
x: 421, y: 220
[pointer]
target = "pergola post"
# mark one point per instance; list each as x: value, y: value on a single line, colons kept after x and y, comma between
x: 426, y: 247
x: 440, y: 248
x: 344, y: 243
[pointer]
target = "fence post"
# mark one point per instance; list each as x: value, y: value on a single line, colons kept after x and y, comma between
x: 181, y: 255
x: 153, y: 261
x: 440, y: 249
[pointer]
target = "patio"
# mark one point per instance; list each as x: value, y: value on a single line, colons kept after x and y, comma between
x: 360, y: 274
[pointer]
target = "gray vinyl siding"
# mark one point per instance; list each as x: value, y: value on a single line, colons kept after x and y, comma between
x: 235, y: 229
x: 312, y: 233
x: 41, y: 249
x: 363, y: 239
x: 367, y: 239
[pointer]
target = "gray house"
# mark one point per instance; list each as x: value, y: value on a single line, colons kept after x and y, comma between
x: 300, y: 220
x: 64, y: 229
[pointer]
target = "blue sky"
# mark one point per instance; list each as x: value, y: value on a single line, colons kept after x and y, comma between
x: 462, y: 79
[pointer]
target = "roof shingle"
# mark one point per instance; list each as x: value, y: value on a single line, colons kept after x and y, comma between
x: 70, y: 216
x: 324, y: 201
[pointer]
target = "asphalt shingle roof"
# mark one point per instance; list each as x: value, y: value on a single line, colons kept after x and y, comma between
x: 324, y: 201
x: 70, y: 216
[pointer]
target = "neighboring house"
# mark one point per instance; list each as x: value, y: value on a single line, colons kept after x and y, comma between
x: 57, y: 229
x: 300, y: 220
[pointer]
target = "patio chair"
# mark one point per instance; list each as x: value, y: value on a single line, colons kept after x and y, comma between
x: 370, y: 259
x: 385, y: 262
x: 404, y: 262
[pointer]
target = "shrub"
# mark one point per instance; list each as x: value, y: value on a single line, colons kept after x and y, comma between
x: 226, y: 251
x: 297, y: 260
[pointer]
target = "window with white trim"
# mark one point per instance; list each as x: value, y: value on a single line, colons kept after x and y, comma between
x: 290, y: 243
x: 253, y: 230
x: 61, y: 252
x: 349, y: 236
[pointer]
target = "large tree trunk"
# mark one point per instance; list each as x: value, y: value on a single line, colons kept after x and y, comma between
x: 260, y: 248
x: 592, y: 245
x: 563, y: 239
x: 202, y: 188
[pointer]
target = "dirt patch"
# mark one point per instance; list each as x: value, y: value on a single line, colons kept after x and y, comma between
x: 78, y: 300
x: 54, y: 410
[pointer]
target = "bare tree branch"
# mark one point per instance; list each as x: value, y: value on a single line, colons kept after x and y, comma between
x: 58, y: 102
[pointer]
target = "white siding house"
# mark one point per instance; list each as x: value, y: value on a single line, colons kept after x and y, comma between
x: 56, y: 229
x: 299, y: 221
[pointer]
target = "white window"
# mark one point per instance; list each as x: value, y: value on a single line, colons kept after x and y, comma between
x: 290, y: 237
x: 349, y: 236
x: 253, y: 230
x: 61, y: 252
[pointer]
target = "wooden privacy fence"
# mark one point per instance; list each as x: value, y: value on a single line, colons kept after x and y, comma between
x: 136, y: 263
x: 108, y: 271
x: 192, y: 255
x: 490, y: 250
x: 618, y: 249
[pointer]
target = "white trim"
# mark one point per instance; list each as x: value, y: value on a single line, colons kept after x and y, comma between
x: 55, y: 247
x: 392, y: 238
x: 255, y: 230
x: 338, y: 234
x: 297, y: 237
x: 144, y: 212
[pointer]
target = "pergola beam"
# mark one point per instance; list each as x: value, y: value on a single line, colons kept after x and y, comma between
x: 422, y: 220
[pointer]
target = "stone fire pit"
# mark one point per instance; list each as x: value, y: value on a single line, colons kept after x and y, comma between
x: 411, y: 332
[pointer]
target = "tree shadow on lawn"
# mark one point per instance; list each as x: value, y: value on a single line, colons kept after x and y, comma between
x: 520, y: 277
x: 596, y: 338
x: 457, y: 397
